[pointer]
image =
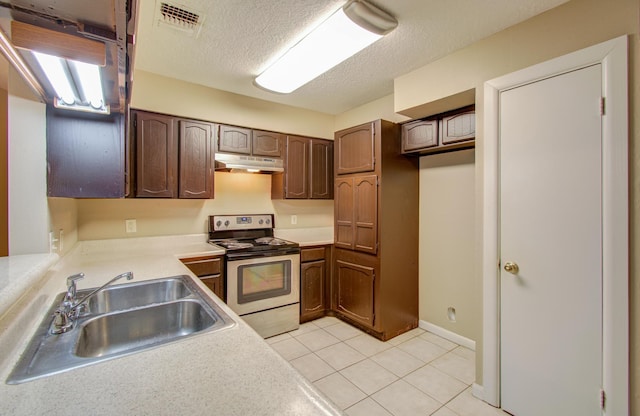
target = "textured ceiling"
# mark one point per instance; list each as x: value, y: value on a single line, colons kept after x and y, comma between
x: 239, y: 38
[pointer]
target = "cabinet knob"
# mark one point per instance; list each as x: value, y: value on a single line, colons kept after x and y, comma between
x: 511, y: 267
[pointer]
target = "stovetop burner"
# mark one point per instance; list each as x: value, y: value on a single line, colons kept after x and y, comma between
x: 247, y: 234
x: 258, y: 243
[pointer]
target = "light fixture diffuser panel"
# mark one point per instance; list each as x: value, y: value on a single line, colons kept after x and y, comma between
x: 335, y: 40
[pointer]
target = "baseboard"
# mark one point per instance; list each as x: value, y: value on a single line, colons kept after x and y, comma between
x: 446, y: 334
x: 478, y: 391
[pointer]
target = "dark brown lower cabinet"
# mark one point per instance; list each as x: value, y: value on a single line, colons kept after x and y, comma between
x: 314, y: 285
x: 355, y: 287
x: 210, y: 270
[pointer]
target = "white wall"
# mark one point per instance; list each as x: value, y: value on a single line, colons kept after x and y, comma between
x: 28, y: 210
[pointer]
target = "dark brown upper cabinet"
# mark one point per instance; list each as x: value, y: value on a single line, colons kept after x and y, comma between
x: 308, y: 171
x: 321, y: 172
x: 445, y: 132
x: 421, y: 134
x: 174, y: 157
x: 156, y: 148
x: 85, y: 155
x: 196, y: 160
x: 267, y: 143
x: 458, y: 127
x: 232, y: 139
x: 355, y: 150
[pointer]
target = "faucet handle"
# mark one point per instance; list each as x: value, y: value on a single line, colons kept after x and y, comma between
x: 71, y: 286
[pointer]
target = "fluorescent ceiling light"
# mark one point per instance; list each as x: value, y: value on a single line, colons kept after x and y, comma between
x: 91, y: 83
x: 57, y: 76
x: 85, y: 94
x: 346, y: 32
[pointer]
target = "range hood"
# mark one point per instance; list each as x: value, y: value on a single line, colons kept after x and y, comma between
x: 229, y: 162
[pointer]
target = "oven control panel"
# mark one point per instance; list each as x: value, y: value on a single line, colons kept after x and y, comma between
x: 240, y: 222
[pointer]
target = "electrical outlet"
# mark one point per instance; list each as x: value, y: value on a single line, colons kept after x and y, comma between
x: 53, y: 247
x: 294, y: 219
x: 130, y: 226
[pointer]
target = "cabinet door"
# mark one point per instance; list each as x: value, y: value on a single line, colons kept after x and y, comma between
x: 156, y: 156
x: 266, y: 143
x: 196, y: 160
x: 234, y: 139
x: 356, y: 291
x: 356, y: 213
x: 355, y: 149
x: 458, y: 127
x: 210, y: 270
x: 297, y: 169
x: 214, y: 283
x: 366, y: 213
x: 321, y: 174
x: 343, y: 212
x: 85, y: 157
x: 312, y: 289
x: 421, y: 134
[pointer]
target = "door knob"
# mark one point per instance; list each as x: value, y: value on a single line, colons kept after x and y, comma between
x: 511, y: 267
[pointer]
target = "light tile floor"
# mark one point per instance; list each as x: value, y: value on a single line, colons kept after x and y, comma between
x: 416, y: 373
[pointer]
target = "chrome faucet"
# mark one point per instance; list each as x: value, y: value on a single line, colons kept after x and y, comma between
x: 70, y: 308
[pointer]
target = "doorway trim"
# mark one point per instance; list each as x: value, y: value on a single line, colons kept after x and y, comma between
x: 612, y: 55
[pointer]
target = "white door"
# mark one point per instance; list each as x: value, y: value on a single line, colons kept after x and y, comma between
x: 550, y: 227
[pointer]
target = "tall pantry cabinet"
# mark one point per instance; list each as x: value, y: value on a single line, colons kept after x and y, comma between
x: 375, y: 279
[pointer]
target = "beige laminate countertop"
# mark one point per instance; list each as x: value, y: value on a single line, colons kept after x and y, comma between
x: 229, y: 372
x: 312, y: 236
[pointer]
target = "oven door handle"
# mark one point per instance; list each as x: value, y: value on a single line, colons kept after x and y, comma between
x: 258, y: 254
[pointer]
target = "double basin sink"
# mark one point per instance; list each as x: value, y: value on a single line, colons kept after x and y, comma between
x: 121, y: 320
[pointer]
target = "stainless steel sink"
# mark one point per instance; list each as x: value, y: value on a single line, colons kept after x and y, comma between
x: 133, y: 295
x: 117, y: 332
x: 122, y: 320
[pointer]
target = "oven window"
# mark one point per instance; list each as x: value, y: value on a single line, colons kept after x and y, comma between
x: 264, y: 280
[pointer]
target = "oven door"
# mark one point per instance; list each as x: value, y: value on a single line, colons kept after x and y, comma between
x: 262, y: 283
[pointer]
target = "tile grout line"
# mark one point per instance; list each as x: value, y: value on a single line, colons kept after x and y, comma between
x: 312, y: 327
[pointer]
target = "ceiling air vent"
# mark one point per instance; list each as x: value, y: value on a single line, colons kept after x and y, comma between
x: 179, y: 17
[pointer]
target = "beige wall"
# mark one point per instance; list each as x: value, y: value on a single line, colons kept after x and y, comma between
x: 235, y: 193
x: 380, y: 108
x: 166, y: 95
x: 447, y: 236
x: 572, y: 26
x: 63, y: 216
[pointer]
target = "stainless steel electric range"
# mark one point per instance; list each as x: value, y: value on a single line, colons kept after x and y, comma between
x: 262, y: 272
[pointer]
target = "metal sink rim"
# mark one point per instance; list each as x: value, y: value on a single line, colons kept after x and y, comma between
x: 61, y: 353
